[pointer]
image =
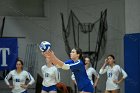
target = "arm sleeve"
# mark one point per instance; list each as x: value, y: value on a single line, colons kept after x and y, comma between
x: 29, y: 76
x: 123, y: 73
x: 66, y: 66
x: 102, y: 71
x: 7, y: 78
x: 95, y: 73
x: 76, y: 65
x: 71, y: 65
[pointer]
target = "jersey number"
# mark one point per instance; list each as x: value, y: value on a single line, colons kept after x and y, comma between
x: 109, y: 74
x: 46, y: 74
x: 17, y: 80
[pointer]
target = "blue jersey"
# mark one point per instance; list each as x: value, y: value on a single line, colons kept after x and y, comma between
x: 78, y: 69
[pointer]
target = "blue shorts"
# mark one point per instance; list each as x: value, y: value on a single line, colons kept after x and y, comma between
x: 50, y: 88
x: 88, y: 88
x: 24, y: 91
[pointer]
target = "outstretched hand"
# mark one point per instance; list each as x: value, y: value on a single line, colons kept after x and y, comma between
x: 48, y: 54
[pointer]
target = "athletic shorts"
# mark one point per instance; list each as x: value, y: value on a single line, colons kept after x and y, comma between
x: 88, y: 88
x: 50, y: 88
x: 24, y: 91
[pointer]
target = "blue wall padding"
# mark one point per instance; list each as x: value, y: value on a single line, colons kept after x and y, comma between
x: 132, y: 62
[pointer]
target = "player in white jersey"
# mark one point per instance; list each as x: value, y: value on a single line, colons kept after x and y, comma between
x: 51, y: 77
x: 90, y: 72
x: 113, y: 71
x: 19, y: 77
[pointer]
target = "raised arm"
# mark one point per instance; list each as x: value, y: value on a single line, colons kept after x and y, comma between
x: 104, y: 68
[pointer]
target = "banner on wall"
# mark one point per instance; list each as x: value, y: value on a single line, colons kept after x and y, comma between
x: 8, y: 53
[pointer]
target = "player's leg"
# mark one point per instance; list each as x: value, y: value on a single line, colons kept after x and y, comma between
x: 53, y: 92
x: 42, y: 91
x: 106, y: 91
x: 115, y: 91
x: 85, y: 92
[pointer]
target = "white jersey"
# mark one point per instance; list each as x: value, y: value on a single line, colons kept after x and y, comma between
x: 90, y: 71
x: 51, y: 75
x: 18, y: 79
x: 113, y: 74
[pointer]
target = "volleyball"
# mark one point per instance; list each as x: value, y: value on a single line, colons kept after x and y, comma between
x: 44, y: 46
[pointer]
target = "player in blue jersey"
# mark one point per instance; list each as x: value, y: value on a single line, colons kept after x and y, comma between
x: 77, y: 67
x: 19, y: 77
x: 90, y: 72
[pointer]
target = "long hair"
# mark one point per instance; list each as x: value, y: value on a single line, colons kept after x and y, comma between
x: 111, y: 55
x: 19, y: 60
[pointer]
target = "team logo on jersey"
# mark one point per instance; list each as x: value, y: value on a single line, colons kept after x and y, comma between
x: 46, y: 74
